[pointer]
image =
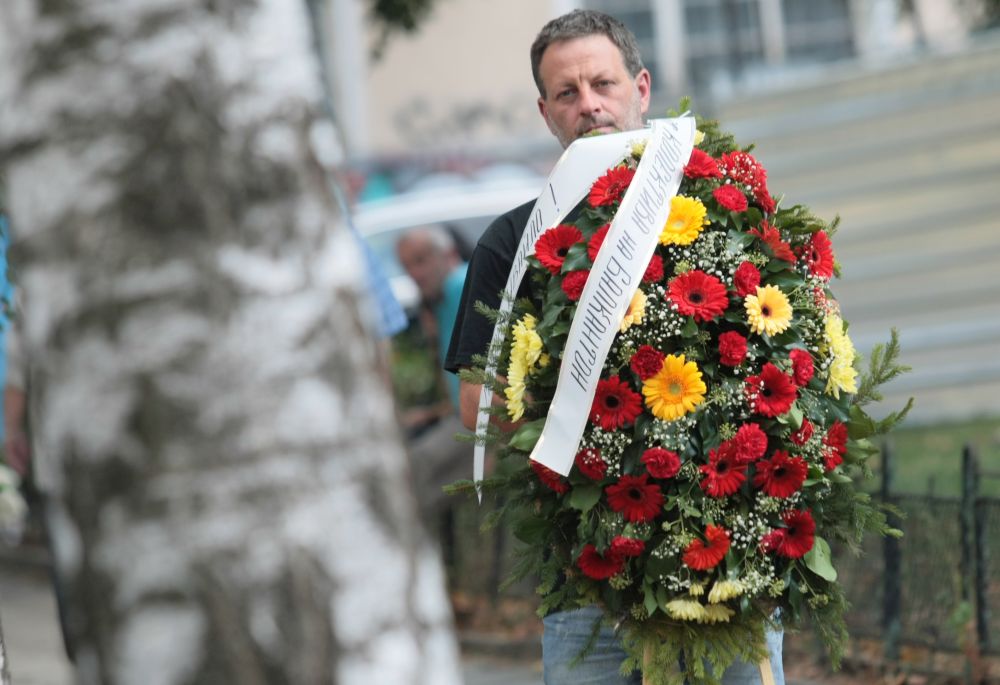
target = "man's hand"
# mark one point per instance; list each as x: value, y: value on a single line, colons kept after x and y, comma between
x: 468, y: 398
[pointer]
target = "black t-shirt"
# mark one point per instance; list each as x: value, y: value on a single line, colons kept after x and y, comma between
x: 488, y: 271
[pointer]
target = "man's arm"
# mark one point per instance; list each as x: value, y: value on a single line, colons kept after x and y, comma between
x: 468, y: 401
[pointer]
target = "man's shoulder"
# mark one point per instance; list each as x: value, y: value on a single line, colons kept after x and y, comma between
x: 504, y: 233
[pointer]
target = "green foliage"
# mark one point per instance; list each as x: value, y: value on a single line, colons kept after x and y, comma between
x: 396, y: 16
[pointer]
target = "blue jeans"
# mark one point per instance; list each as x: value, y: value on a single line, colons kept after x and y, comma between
x: 567, y: 633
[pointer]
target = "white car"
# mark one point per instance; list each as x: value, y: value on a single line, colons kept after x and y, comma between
x: 467, y: 207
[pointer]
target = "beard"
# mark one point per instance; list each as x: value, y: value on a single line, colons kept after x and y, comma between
x: 631, y: 119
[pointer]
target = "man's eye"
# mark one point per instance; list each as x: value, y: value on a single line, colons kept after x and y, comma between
x: 564, y: 94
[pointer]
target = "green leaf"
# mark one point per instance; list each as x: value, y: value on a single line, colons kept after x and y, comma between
x: 576, y: 259
x: 690, y: 329
x: 649, y: 599
x: 818, y: 560
x: 531, y: 531
x: 584, y: 497
x: 526, y: 436
x: 738, y: 242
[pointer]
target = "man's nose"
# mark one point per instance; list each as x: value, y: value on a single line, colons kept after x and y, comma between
x: 589, y: 102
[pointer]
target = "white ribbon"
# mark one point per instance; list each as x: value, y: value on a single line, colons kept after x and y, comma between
x: 617, y: 271
x: 577, y: 169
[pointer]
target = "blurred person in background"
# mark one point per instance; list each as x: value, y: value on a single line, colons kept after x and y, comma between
x: 431, y: 257
x: 590, y: 80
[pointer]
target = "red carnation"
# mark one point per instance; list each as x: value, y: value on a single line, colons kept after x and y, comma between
x: 730, y: 197
x: 661, y: 463
x: 573, y: 284
x: 551, y: 479
x: 746, y: 278
x: 654, y: 272
x: 772, y: 392
x: 732, y: 348
x: 610, y: 187
x: 702, y: 556
x: 647, y: 362
x: 781, y: 475
x: 723, y: 473
x: 627, y: 547
x: 802, y: 366
x: 750, y: 443
x: 802, y: 435
x: 795, y: 539
x: 553, y: 244
x: 635, y: 497
x: 771, y: 237
x: 702, y: 165
x: 596, y: 240
x: 818, y: 254
x: 836, y: 445
x: 699, y: 295
x: 597, y: 566
x: 764, y: 200
x: 615, y: 404
x: 591, y: 463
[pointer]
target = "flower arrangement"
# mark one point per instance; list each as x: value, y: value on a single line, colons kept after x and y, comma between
x: 725, y: 435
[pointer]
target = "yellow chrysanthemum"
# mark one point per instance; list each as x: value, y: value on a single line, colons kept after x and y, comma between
x: 768, y: 311
x: 723, y: 590
x: 716, y: 613
x: 636, y: 310
x: 698, y: 136
x: 842, y: 374
x: 686, y: 221
x: 696, y: 590
x: 675, y: 390
x: 525, y: 352
x: 686, y: 610
x: 638, y: 147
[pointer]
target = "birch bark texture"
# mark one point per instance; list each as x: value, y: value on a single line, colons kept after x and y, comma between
x: 231, y: 495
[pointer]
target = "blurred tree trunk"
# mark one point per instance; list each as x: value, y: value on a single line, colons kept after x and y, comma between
x: 232, y: 497
x: 4, y: 673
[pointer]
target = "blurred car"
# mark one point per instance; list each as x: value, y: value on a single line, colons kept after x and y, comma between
x: 463, y: 206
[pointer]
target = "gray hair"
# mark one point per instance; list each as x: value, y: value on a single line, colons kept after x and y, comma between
x: 579, y: 24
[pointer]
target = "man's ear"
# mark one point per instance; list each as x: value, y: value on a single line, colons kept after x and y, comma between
x: 643, y: 82
x: 543, y: 110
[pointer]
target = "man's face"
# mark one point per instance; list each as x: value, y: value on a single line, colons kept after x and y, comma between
x: 426, y: 263
x: 589, y: 90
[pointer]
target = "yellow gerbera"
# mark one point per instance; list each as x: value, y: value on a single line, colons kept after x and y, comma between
x: 686, y: 221
x: 768, y: 311
x: 636, y: 310
x: 723, y: 590
x: 675, y: 390
x: 843, y: 375
x: 686, y: 609
x: 716, y: 613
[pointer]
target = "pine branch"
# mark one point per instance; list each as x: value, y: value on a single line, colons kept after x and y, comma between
x: 882, y: 368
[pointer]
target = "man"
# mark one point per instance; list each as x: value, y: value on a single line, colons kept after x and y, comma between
x: 590, y: 80
x: 429, y: 255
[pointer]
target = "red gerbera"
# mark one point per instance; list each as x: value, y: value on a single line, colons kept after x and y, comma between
x: 781, y: 475
x: 661, y: 463
x: 654, y: 272
x: 627, y: 547
x: 610, y: 187
x: 615, y: 404
x: 732, y: 348
x: 647, y: 362
x: 772, y: 238
x: 702, y: 556
x: 699, y: 295
x: 818, y: 253
x: 795, y: 539
x: 723, y: 473
x: 551, y: 479
x: 802, y: 435
x: 772, y: 392
x: 750, y: 443
x: 573, y: 284
x: 596, y: 240
x: 746, y: 278
x: 591, y: 463
x: 730, y: 197
x: 836, y: 445
x: 702, y: 165
x: 553, y: 244
x: 802, y: 366
x: 635, y: 497
x: 600, y: 567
